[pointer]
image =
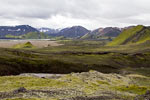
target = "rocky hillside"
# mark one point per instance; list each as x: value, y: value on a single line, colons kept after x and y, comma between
x: 103, y: 32
x: 90, y: 85
x: 72, y: 32
x: 16, y: 30
x: 137, y: 34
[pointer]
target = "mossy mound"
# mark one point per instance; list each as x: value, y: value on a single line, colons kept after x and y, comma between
x: 90, y: 85
x: 25, y: 45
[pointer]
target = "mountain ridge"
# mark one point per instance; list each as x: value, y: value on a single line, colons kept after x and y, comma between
x: 103, y: 32
x: 16, y: 30
x: 72, y: 32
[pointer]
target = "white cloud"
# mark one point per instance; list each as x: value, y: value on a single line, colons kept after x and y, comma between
x: 63, y: 13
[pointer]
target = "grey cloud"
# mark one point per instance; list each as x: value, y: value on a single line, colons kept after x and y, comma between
x: 102, y: 12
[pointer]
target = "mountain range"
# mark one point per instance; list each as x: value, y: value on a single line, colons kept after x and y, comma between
x: 126, y: 35
x: 71, y: 32
x: 16, y: 30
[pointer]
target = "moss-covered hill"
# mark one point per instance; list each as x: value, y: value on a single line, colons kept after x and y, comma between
x: 131, y: 63
x: 90, y: 85
x: 25, y: 45
x: 138, y: 34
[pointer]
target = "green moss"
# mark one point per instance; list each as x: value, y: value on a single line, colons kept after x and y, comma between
x: 31, y: 99
x: 12, y: 83
x: 25, y: 45
x: 102, y: 82
x: 24, y: 99
x: 91, y: 88
x: 145, y: 37
x: 12, y: 36
x: 133, y: 89
x: 126, y: 35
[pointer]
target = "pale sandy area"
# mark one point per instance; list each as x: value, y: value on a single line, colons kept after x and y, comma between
x: 37, y: 43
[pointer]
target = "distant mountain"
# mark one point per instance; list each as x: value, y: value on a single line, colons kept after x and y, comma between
x: 72, y: 32
x: 108, y: 31
x: 30, y: 35
x: 48, y: 30
x: 16, y: 30
x: 103, y: 32
x: 137, y: 34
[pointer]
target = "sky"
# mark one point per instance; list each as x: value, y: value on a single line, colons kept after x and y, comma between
x: 91, y: 14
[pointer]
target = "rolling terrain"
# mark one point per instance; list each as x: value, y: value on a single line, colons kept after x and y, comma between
x: 86, y: 69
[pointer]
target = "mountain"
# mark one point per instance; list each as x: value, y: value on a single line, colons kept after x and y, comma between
x: 48, y: 30
x: 137, y: 34
x: 72, y: 32
x: 16, y: 30
x: 108, y: 31
x: 103, y: 32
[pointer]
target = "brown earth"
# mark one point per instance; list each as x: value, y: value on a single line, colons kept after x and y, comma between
x: 37, y: 43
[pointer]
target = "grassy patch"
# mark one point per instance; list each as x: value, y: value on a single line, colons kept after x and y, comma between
x: 133, y: 89
x: 24, y: 99
x: 27, y: 45
x: 30, y: 99
x: 12, y: 83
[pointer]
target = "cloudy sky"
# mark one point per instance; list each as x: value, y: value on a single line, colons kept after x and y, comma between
x: 64, y: 13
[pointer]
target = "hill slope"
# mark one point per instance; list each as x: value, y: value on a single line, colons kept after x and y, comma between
x: 72, y: 32
x: 35, y: 35
x: 137, y: 34
x: 103, y: 32
x: 30, y: 35
x: 16, y: 30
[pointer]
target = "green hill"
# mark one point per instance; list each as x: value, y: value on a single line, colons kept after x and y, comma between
x: 25, y: 45
x: 136, y: 35
x: 35, y: 35
x: 30, y: 35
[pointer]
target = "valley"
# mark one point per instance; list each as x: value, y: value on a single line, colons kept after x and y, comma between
x: 74, y: 49
x: 76, y: 68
